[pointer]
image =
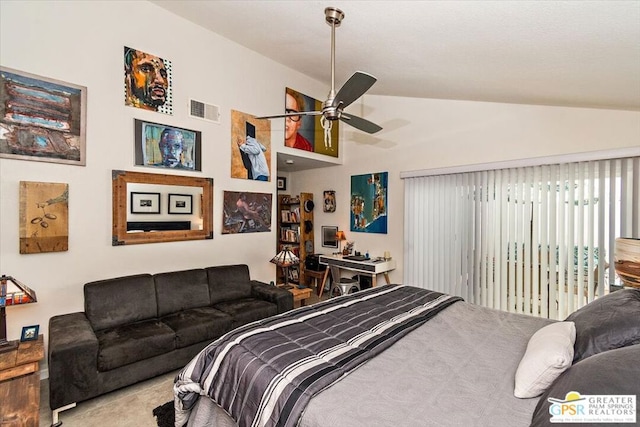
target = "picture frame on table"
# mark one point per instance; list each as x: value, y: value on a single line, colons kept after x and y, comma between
x: 180, y: 204
x: 145, y: 203
x: 29, y: 333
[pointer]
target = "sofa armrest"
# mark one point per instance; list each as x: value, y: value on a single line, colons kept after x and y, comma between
x: 73, y: 359
x: 281, y: 297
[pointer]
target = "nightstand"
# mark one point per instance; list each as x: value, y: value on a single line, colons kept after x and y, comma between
x: 20, y: 384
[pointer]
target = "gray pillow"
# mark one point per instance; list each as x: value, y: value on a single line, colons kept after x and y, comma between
x: 612, y: 321
x: 613, y: 372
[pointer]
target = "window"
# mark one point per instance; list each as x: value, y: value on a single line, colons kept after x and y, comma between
x: 532, y: 239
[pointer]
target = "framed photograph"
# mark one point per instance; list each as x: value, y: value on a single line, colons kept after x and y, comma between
x: 42, y: 119
x: 29, y: 333
x: 180, y: 204
x: 147, y: 203
x: 282, y: 183
x: 163, y: 146
x: 329, y: 238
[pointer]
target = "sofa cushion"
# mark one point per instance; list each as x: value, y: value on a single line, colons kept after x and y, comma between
x: 181, y: 290
x: 247, y: 310
x: 130, y: 343
x: 197, y: 325
x: 228, y: 283
x: 113, y: 302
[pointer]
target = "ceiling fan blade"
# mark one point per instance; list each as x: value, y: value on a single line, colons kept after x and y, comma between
x: 354, y: 88
x: 301, y: 113
x: 360, y: 123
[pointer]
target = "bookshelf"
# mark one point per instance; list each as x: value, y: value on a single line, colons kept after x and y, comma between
x: 293, y: 233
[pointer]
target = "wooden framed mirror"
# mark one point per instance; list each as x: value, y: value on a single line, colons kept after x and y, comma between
x: 144, y: 211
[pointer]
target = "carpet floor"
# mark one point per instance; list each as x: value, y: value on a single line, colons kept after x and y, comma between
x: 165, y: 415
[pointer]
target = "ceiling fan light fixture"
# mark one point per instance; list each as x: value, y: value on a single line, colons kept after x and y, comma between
x: 353, y: 89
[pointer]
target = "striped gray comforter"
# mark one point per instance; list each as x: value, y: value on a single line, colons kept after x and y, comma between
x: 265, y: 373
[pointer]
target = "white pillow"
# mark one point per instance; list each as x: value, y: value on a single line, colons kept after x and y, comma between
x: 549, y: 353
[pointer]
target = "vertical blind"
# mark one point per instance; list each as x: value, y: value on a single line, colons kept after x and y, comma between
x: 535, y: 239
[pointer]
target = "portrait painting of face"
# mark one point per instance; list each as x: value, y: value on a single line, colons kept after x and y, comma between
x: 159, y: 145
x: 147, y: 80
x: 309, y: 133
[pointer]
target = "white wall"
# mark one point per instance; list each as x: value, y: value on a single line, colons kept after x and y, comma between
x: 428, y: 133
x: 82, y: 42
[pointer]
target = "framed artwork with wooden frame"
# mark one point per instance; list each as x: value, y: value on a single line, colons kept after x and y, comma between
x: 43, y: 119
x: 177, y: 184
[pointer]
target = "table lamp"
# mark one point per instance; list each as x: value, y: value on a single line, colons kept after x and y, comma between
x: 12, y: 292
x: 285, y: 259
x: 340, y: 237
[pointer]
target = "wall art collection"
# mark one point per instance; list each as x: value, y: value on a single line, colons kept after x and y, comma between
x: 43, y: 119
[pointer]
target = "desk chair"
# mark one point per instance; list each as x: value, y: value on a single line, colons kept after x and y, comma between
x: 342, y: 285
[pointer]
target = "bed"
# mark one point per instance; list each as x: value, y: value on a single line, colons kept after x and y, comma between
x: 454, y: 364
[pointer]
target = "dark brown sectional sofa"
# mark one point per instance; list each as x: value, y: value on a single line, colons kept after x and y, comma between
x: 137, y: 327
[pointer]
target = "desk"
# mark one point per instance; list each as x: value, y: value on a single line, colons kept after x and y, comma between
x: 20, y: 384
x: 369, y: 267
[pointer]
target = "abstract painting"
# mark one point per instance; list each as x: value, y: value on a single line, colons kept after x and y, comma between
x: 44, y: 217
x: 369, y: 202
x: 246, y: 212
x: 147, y: 81
x: 42, y: 119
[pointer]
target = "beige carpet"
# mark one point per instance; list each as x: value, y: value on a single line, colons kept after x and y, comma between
x: 128, y: 407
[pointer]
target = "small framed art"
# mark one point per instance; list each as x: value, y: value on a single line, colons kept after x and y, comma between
x: 180, y: 204
x: 147, y: 203
x: 282, y: 183
x: 329, y: 236
x: 29, y: 333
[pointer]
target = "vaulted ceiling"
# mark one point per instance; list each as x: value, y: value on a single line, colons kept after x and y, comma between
x: 563, y: 53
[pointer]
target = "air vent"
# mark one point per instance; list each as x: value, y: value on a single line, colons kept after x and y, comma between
x: 201, y: 110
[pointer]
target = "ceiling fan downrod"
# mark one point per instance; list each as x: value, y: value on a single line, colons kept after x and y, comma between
x: 334, y: 17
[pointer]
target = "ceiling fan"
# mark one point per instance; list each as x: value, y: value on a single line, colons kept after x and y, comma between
x: 354, y: 88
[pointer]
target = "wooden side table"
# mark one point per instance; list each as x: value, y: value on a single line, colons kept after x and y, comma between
x: 20, y: 384
x: 300, y: 294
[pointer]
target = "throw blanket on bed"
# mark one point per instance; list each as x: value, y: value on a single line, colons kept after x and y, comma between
x: 264, y: 373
